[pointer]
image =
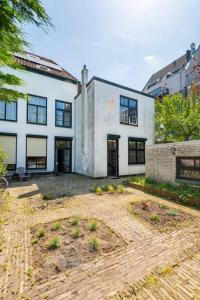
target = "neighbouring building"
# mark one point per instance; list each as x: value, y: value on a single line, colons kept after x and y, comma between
x: 174, y: 161
x: 39, y: 134
x: 100, y: 130
x: 178, y: 76
x: 114, y: 123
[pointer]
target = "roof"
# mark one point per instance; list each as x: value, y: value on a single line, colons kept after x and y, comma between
x: 170, y: 68
x: 44, y: 66
x: 116, y: 85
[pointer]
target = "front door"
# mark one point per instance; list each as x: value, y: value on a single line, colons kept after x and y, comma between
x: 63, y: 155
x: 112, y: 157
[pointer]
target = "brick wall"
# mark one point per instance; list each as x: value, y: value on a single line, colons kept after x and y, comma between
x: 161, y: 159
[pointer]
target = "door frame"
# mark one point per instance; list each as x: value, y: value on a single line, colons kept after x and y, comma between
x: 115, y: 138
x: 55, y: 158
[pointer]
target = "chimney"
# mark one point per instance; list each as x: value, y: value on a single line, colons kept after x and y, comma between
x: 84, y: 75
x: 84, y: 108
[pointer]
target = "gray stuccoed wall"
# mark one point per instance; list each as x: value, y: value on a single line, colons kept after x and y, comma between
x: 161, y: 159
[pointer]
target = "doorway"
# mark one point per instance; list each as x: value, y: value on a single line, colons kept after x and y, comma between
x: 112, y: 157
x: 63, y: 155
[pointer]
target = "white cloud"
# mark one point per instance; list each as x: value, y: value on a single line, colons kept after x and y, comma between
x: 151, y: 59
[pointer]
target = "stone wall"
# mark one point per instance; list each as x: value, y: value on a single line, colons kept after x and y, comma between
x: 161, y: 159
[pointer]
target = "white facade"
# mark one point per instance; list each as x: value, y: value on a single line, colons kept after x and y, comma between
x: 102, y: 102
x: 52, y: 89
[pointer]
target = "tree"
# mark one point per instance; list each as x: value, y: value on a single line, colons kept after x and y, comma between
x: 177, y: 118
x: 13, y: 15
x: 3, y: 157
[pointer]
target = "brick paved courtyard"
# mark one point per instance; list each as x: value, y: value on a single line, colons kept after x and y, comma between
x: 122, y: 274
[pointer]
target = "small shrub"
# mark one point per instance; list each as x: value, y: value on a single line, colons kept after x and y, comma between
x: 93, y: 225
x: 98, y: 191
x: 172, y: 213
x: 76, y: 233
x: 162, y: 206
x: 111, y: 189
x: 155, y: 218
x: 56, y: 226
x: 105, y: 188
x: 75, y: 221
x: 54, y: 243
x: 45, y: 197
x: 94, y: 243
x: 34, y: 241
x: 120, y: 188
x: 29, y: 273
x: 94, y: 189
x: 40, y: 233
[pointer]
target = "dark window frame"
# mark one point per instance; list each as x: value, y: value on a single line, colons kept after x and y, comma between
x: 36, y: 136
x: 14, y: 165
x: 36, y: 123
x: 70, y: 139
x: 7, y: 120
x: 129, y: 108
x: 137, y: 150
x: 63, y: 110
x: 180, y: 167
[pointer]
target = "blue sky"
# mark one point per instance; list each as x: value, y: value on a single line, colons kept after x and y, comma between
x: 124, y: 41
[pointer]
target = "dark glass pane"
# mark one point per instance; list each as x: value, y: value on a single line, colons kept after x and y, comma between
x: 60, y: 105
x: 140, y: 156
x: 67, y: 118
x: 132, y: 156
x: 37, y: 101
x: 187, y: 162
x: 36, y: 162
x: 2, y: 110
x: 197, y: 163
x: 132, y: 144
x: 68, y: 106
x: 193, y: 174
x: 133, y: 116
x: 124, y: 101
x: 11, y: 111
x: 132, y: 103
x: 123, y: 114
x: 32, y: 114
x: 41, y: 115
x: 59, y: 118
x: 140, y: 145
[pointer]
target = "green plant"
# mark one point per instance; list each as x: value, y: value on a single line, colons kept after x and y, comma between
x: 76, y: 233
x: 111, y: 189
x: 94, y: 243
x: 155, y: 218
x: 29, y: 273
x: 45, y: 197
x: 98, y: 190
x: 34, y: 241
x: 40, y: 233
x: 120, y: 188
x: 172, y: 213
x: 56, y: 226
x: 93, y: 225
x: 94, y: 188
x: 54, y: 243
x: 162, y: 206
x: 75, y: 221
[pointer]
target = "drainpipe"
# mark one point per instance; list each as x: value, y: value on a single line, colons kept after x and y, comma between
x: 84, y: 106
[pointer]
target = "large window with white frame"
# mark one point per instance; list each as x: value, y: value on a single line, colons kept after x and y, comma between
x: 8, y: 111
x: 37, y: 110
x: 36, y: 152
x: 128, y: 111
x: 8, y: 142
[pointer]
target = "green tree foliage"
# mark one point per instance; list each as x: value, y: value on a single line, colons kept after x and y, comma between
x: 13, y: 15
x: 3, y: 157
x: 177, y: 118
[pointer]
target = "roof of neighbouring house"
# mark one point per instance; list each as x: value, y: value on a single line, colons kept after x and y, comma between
x: 173, y: 67
x: 43, y: 65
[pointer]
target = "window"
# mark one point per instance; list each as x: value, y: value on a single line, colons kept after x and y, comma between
x: 63, y: 114
x: 36, y: 155
x: 8, y: 110
x: 188, y: 168
x: 37, y: 110
x: 128, y: 111
x: 136, y: 151
x: 9, y: 145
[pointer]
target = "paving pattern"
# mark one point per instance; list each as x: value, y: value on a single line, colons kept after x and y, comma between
x: 110, y: 275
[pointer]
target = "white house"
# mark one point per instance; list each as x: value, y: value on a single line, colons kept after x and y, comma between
x: 39, y: 134
x: 114, y: 123
x: 177, y: 76
x: 102, y: 131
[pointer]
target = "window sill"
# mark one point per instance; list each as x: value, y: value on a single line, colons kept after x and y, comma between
x: 137, y: 164
x: 70, y: 127
x: 129, y: 124
x: 41, y: 124
x: 8, y: 120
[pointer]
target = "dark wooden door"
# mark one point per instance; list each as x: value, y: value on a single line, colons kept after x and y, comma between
x: 112, y: 157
